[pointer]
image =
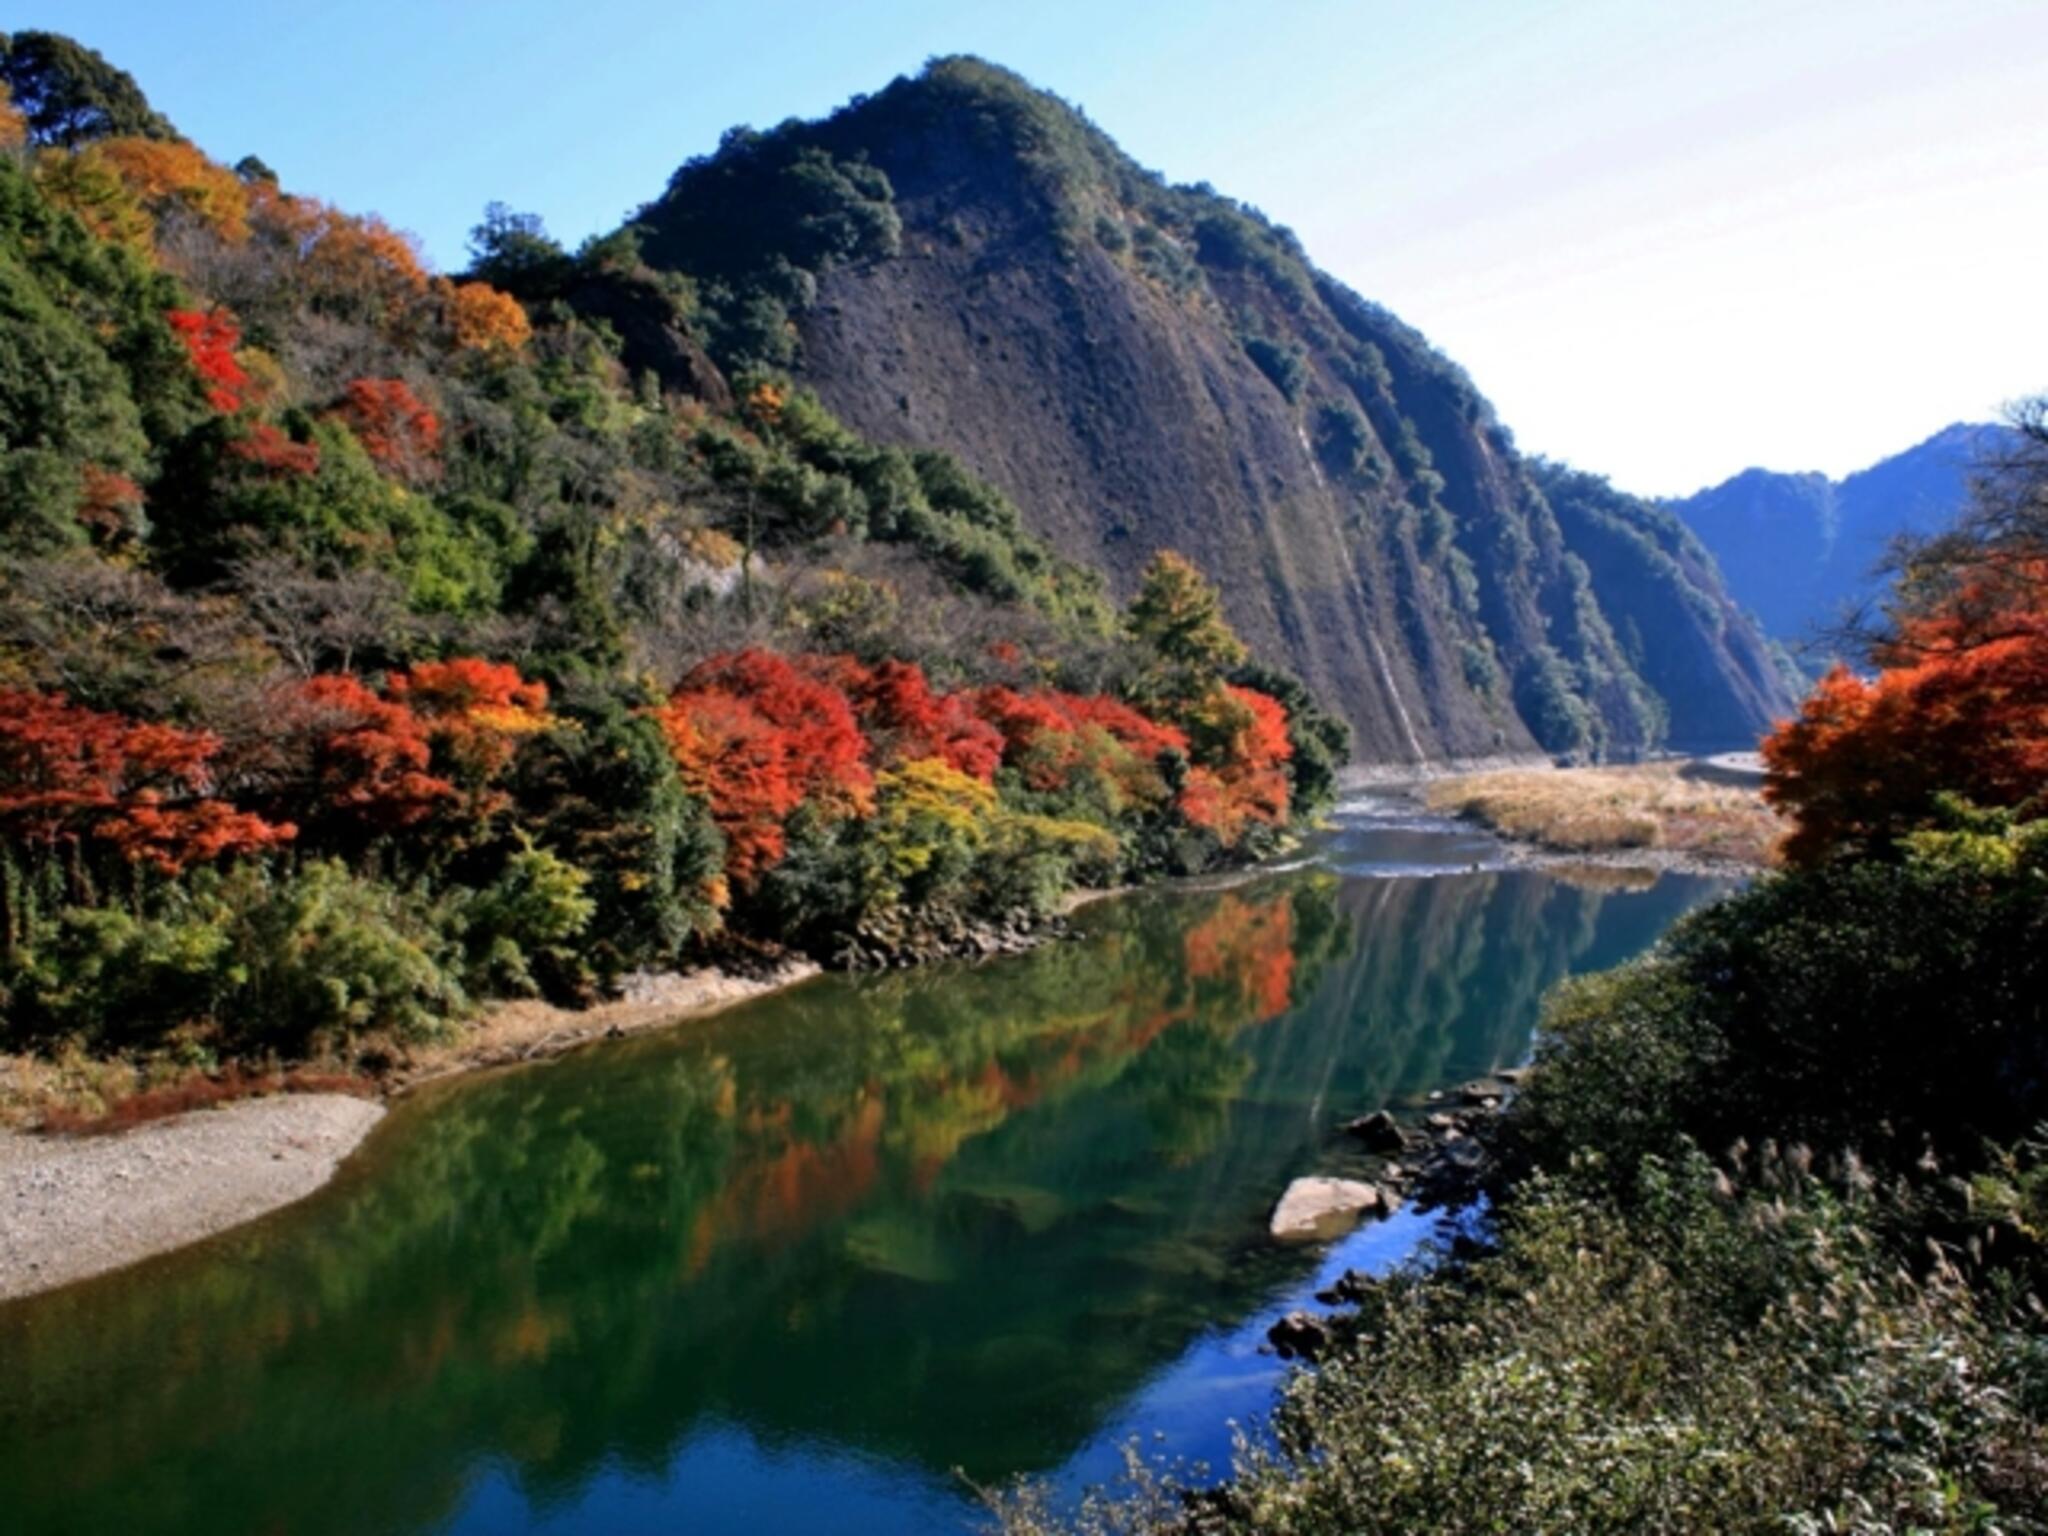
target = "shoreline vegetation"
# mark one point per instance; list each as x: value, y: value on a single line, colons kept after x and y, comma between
x: 1760, y: 1241
x: 82, y: 1204
x: 89, y: 1194
x: 1693, y: 815
x: 380, y: 649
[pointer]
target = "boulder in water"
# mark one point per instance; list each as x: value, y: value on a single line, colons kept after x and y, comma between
x: 1318, y: 1208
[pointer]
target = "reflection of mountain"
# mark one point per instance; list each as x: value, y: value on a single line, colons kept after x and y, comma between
x: 945, y: 1218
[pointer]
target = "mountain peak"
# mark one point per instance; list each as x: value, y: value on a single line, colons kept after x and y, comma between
x: 1801, y: 549
x: 963, y: 261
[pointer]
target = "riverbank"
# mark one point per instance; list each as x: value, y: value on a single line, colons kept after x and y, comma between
x: 1687, y: 816
x: 73, y: 1206
x: 76, y: 1206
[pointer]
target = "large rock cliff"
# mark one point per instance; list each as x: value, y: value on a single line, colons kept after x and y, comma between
x: 963, y: 262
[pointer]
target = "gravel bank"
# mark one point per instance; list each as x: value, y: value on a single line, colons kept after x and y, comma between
x: 77, y: 1206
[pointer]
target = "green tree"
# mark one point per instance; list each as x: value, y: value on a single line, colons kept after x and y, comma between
x: 70, y: 94
x: 1178, y: 617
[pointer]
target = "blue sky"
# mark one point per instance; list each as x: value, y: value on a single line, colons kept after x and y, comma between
x: 1668, y: 240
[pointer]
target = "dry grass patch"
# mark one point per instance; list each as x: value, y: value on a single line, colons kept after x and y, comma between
x: 1654, y: 806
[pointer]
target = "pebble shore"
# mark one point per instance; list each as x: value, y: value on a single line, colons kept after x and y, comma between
x: 73, y: 1206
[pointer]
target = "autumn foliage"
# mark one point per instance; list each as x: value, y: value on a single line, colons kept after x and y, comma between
x: 905, y: 720
x: 395, y: 428
x: 266, y: 448
x: 168, y: 175
x: 485, y: 320
x: 68, y: 773
x: 13, y: 126
x: 1242, y: 779
x: 479, y: 710
x: 434, y: 739
x: 109, y: 503
x: 757, y: 735
x: 210, y: 338
x: 1960, y: 707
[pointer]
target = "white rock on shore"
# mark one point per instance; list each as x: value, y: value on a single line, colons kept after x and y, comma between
x: 1323, y: 1208
x: 77, y: 1206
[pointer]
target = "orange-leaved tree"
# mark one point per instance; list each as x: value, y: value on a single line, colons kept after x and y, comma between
x: 68, y: 773
x: 755, y: 736
x: 477, y: 710
x: 370, y: 756
x: 482, y: 319
x: 1959, y: 707
x: 169, y: 176
x: 1241, y: 749
x: 394, y: 426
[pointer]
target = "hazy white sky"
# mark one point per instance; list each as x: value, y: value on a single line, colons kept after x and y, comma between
x: 1668, y: 238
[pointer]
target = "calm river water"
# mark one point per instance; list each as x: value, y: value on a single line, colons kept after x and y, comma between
x: 814, y: 1263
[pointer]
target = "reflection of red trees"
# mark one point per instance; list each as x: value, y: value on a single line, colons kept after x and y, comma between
x: 797, y: 1188
x: 1238, y: 970
x: 1247, y: 950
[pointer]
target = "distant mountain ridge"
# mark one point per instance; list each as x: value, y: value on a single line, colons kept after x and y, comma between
x: 1801, y: 551
x: 961, y: 261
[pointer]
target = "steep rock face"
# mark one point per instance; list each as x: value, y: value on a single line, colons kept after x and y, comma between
x: 1142, y: 366
x: 1682, y: 631
x: 1803, y: 551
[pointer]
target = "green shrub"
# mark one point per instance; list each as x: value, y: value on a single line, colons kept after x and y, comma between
x: 1875, y: 1005
x: 262, y: 962
x: 518, y: 928
x: 1701, y: 1363
x: 1285, y: 363
x: 324, y: 957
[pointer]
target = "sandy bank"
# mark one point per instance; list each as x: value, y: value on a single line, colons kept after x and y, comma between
x: 77, y: 1206
x: 531, y: 1030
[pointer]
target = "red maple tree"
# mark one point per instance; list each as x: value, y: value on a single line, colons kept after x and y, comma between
x: 1960, y: 706
x: 395, y: 428
x: 756, y: 736
x: 211, y: 338
x: 68, y: 773
x: 268, y: 449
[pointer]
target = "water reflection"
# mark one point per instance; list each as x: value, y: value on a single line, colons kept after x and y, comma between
x: 790, y: 1267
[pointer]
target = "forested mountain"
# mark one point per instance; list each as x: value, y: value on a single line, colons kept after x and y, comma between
x: 373, y: 642
x: 963, y: 262
x: 1802, y: 551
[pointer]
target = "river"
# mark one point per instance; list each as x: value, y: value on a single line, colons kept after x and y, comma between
x: 817, y: 1262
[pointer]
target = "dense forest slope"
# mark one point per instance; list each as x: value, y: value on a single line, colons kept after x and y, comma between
x: 376, y: 643
x: 1801, y: 551
x: 963, y: 262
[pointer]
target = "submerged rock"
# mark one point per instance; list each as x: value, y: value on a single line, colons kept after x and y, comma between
x: 1322, y: 1208
x: 1379, y: 1132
